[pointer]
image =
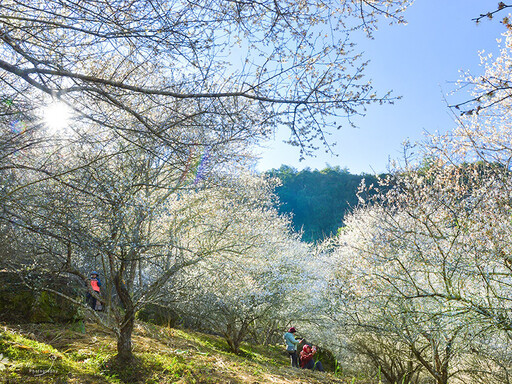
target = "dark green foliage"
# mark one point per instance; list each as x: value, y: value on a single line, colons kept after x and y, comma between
x: 20, y: 304
x: 157, y: 314
x: 327, y: 359
x: 318, y: 200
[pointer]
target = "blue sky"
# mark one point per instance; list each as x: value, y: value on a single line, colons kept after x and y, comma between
x: 419, y: 61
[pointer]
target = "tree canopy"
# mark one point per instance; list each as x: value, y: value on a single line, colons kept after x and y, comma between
x: 239, y: 68
x: 164, y: 96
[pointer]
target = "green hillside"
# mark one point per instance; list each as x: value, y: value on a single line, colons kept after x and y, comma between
x: 317, y: 200
x: 48, y: 353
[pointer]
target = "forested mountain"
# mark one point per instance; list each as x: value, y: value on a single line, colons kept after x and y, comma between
x: 317, y: 200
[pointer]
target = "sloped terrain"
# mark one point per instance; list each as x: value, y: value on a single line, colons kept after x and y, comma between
x: 82, y: 354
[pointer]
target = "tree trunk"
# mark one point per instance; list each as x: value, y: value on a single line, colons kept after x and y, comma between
x: 124, y: 340
x: 230, y: 336
x: 233, y: 346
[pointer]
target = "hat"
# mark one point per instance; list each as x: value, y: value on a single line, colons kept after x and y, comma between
x: 306, y: 348
x: 292, y: 330
x: 95, y: 273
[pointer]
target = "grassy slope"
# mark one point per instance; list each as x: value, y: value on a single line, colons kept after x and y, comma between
x: 47, y: 353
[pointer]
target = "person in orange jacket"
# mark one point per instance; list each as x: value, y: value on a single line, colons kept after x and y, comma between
x: 306, y: 359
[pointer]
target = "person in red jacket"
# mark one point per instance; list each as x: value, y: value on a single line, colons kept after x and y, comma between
x: 306, y: 359
x: 95, y: 285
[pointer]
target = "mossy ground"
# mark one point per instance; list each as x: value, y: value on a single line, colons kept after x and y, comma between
x: 50, y: 353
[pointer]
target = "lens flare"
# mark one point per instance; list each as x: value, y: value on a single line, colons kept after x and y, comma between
x: 196, y: 167
x: 18, y: 127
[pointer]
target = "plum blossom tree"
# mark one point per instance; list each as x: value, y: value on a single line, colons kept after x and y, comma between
x: 425, y: 264
x: 484, y: 136
x: 246, y: 67
x: 238, y: 293
x: 133, y: 215
x: 375, y: 306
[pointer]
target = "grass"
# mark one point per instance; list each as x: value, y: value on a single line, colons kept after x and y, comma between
x: 49, y: 353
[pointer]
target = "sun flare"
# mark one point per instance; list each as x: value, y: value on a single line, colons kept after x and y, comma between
x: 56, y: 116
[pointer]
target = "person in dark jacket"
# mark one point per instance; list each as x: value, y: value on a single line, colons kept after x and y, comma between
x: 307, y: 360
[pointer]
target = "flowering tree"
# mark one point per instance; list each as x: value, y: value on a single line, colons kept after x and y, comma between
x: 133, y: 215
x: 239, y: 292
x: 375, y: 304
x: 422, y: 270
x: 244, y: 67
x: 484, y: 136
x: 425, y: 265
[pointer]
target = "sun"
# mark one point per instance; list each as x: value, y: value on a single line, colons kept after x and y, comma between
x: 56, y: 116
